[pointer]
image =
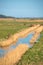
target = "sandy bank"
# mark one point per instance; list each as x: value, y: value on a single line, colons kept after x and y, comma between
x: 37, y: 33
x: 24, y: 33
x: 38, y: 30
x: 13, y: 38
x: 9, y: 41
x: 13, y: 56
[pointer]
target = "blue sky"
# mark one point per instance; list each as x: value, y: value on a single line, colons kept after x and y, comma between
x: 22, y: 8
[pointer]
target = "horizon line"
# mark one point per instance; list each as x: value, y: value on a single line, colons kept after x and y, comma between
x: 17, y: 17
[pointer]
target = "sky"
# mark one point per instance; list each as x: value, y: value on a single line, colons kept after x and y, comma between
x: 22, y: 8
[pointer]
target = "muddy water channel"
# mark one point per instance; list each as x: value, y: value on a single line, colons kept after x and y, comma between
x: 25, y: 40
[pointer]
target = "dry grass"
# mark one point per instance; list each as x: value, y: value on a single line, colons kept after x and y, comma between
x: 6, y: 19
x: 22, y: 20
x: 13, y: 56
x: 14, y: 38
x: 29, y: 20
x: 37, y: 33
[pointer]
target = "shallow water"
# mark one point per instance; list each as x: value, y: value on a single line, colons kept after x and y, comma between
x: 25, y: 40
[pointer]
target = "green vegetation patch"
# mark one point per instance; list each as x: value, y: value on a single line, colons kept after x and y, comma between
x: 34, y: 56
x: 11, y: 27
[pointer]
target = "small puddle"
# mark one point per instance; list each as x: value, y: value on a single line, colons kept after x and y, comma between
x: 25, y: 40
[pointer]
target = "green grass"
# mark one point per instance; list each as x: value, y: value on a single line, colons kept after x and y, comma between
x: 34, y: 56
x: 11, y: 27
